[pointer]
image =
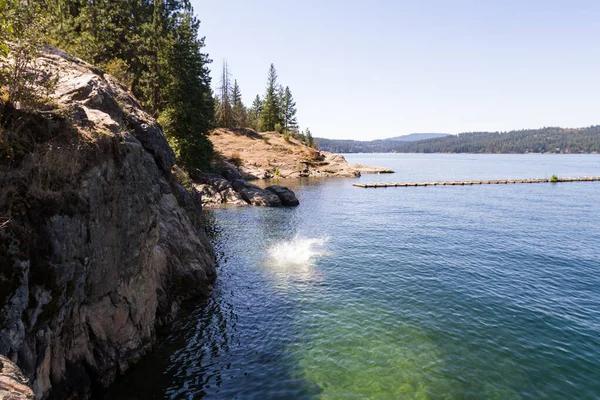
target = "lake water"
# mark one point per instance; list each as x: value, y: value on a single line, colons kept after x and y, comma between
x: 453, y: 292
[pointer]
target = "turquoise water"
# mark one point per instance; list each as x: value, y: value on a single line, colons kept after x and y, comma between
x: 462, y: 292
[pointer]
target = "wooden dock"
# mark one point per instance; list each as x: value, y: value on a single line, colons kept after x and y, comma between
x: 482, y: 182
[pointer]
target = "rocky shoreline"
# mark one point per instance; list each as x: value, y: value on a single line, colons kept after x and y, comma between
x: 268, y: 155
x: 231, y: 189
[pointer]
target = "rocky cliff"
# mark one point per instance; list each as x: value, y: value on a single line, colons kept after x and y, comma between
x: 98, y: 242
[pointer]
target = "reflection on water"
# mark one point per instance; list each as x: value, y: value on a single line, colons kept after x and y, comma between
x: 430, y: 293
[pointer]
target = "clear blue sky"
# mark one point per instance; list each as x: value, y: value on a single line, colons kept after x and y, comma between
x: 374, y: 69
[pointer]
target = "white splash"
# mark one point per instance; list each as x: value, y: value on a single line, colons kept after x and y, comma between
x: 298, y: 252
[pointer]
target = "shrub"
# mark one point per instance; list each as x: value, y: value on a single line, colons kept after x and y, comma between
x: 278, y: 128
x: 236, y: 159
x: 554, y: 178
x: 286, y: 136
x: 182, y: 177
x: 120, y: 70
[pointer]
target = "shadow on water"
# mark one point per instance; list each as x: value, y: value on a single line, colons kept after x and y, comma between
x: 231, y: 345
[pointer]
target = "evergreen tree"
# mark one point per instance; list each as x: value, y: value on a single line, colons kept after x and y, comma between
x: 270, y: 114
x: 254, y: 113
x: 225, y: 118
x: 310, y: 141
x: 290, y: 122
x: 239, y: 111
x: 190, y: 110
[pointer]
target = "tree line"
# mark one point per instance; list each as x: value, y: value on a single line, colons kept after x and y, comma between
x: 544, y: 140
x: 274, y: 111
x: 151, y: 46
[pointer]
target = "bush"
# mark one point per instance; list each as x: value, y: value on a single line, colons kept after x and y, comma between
x: 554, y: 178
x: 120, y: 70
x: 278, y: 128
x: 236, y: 159
x: 286, y: 136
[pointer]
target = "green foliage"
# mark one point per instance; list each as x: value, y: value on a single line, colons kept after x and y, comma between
x: 279, y: 129
x: 254, y: 113
x: 240, y: 116
x: 286, y: 136
x: 120, y: 70
x: 288, y: 110
x: 271, y: 113
x: 310, y: 141
x: 276, y: 171
x: 554, y: 178
x: 22, y: 25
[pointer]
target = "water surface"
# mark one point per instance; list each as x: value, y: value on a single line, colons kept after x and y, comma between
x: 454, y: 292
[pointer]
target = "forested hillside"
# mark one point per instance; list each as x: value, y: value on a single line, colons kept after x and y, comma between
x: 545, y: 140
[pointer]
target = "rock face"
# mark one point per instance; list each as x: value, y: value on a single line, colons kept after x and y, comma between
x: 287, y: 197
x: 13, y: 385
x: 93, y: 261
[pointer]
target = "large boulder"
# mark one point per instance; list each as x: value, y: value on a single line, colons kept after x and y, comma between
x: 254, y: 195
x: 287, y: 197
x: 216, y: 191
x: 229, y: 171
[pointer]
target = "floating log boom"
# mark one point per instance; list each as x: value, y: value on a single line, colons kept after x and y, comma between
x: 480, y: 182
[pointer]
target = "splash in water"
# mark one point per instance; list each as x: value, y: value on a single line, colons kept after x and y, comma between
x: 298, y: 252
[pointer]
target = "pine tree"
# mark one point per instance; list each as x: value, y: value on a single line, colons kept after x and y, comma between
x: 290, y: 122
x: 239, y: 111
x: 310, y: 141
x: 224, y: 115
x: 254, y: 113
x: 270, y: 114
x: 190, y: 110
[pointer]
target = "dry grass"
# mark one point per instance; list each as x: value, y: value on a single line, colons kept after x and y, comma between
x: 263, y: 150
x: 236, y: 159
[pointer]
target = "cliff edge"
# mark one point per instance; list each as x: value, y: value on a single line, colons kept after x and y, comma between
x: 98, y: 242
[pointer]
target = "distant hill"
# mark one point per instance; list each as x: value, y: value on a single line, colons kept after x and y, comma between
x: 413, y: 137
x: 544, y: 140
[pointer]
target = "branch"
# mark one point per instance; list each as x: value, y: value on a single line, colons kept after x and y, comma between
x: 4, y: 221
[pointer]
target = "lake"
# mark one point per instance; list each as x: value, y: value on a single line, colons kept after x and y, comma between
x: 445, y: 292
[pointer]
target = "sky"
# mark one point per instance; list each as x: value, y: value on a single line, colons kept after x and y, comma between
x: 374, y: 69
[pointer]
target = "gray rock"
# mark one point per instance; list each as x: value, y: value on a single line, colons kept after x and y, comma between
x: 229, y: 171
x: 288, y: 197
x: 92, y: 268
x: 254, y: 195
x: 217, y: 191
